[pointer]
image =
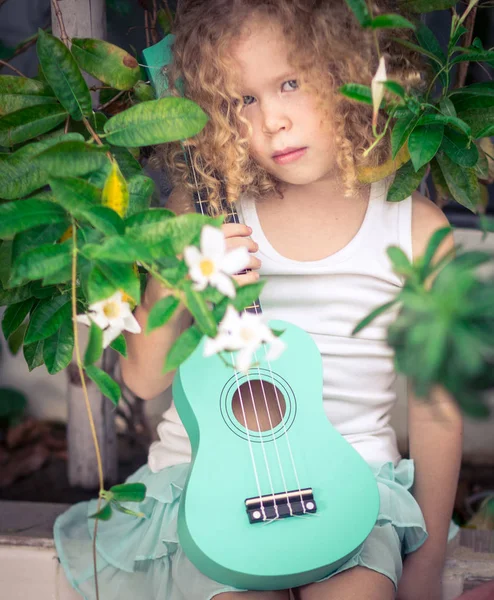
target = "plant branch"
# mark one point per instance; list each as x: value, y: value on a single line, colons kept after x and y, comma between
x: 467, y: 40
x: 146, y: 28
x: 63, y: 33
x: 86, y: 397
x: 6, y: 64
x: 103, y: 106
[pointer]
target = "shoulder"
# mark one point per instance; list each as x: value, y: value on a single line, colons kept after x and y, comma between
x: 427, y: 218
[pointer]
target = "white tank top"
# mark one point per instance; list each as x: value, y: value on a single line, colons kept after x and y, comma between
x: 327, y: 298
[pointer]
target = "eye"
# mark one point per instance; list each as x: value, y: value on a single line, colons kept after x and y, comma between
x: 248, y: 100
x: 292, y: 85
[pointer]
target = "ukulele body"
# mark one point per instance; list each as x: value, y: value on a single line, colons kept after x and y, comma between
x: 324, y: 493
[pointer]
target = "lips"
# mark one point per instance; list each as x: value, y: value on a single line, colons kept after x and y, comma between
x: 288, y: 154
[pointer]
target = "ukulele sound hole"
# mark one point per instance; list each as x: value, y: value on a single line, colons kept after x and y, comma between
x: 263, y: 405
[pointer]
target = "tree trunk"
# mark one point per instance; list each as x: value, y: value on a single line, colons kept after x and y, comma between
x: 87, y: 18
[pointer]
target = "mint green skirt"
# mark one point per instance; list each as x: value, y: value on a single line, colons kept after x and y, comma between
x: 142, y: 558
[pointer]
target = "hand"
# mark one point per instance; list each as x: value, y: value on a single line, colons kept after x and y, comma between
x: 236, y: 234
x: 421, y: 580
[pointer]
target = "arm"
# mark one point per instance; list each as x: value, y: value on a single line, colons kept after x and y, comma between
x: 435, y: 438
x: 142, y: 369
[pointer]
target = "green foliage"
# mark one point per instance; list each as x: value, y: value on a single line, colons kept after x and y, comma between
x: 443, y: 333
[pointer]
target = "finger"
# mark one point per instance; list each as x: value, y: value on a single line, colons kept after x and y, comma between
x: 249, y: 277
x: 236, y: 242
x: 235, y: 229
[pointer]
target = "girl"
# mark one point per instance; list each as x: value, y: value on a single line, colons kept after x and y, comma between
x: 286, y: 145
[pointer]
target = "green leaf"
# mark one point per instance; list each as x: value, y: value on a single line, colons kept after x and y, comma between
x: 120, y: 345
x: 141, y: 189
x: 149, y: 226
x: 391, y: 22
x: 356, y: 91
x: 94, y: 348
x: 33, y: 354
x: 462, y: 182
x: 373, y: 315
x: 156, y: 122
x: 16, y: 339
x: 20, y: 173
x: 119, y: 249
x: 23, y: 86
x: 455, y: 145
x: 480, y: 120
x: 182, y: 348
x: 429, y: 41
x: 471, y: 102
x: 24, y: 214
x: 41, y: 262
x: 117, y: 506
x: 47, y: 317
x: 400, y: 261
x: 37, y: 236
x: 433, y: 244
x: 419, y: 49
x: 108, y: 277
x: 30, y: 122
x: 75, y: 195
x: 10, y: 103
x: 104, y: 514
x: 161, y: 312
x: 360, y: 10
x: 473, y: 56
x: 482, y: 88
x: 405, y: 182
x: 105, y: 219
x: 436, y: 119
x: 73, y: 159
x: 424, y: 6
x: 14, y: 315
x: 200, y: 311
x: 129, y: 492
x: 395, y: 87
x: 108, y: 63
x: 58, y: 349
x: 144, y: 92
x: 63, y: 75
x: 12, y: 404
x: 402, y: 128
x: 107, y: 386
x: 14, y: 295
x: 423, y: 143
x: 447, y: 107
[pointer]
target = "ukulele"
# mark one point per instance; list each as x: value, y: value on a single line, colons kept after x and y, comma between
x: 275, y: 497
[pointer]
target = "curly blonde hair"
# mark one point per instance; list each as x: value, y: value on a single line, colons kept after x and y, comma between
x: 331, y: 49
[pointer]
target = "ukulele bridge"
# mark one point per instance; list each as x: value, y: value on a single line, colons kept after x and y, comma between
x: 280, y: 506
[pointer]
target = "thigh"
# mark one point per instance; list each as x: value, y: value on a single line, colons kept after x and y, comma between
x: 357, y: 583
x: 278, y: 595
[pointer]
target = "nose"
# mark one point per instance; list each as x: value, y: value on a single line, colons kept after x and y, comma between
x: 275, y: 117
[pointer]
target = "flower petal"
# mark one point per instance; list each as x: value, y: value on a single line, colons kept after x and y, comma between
x: 236, y: 260
x: 223, y: 284
x: 243, y: 360
x: 377, y: 89
x: 109, y: 334
x: 84, y: 319
x: 276, y: 348
x: 100, y: 319
x: 192, y: 256
x: 212, y: 242
x: 131, y: 324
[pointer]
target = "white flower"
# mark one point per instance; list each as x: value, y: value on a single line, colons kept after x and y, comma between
x: 245, y: 333
x: 377, y: 89
x: 212, y: 265
x: 113, y: 315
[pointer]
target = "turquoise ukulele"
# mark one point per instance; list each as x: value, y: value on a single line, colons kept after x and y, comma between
x: 276, y: 508
x: 275, y: 498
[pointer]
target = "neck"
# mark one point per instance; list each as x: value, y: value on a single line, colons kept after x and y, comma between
x: 329, y: 188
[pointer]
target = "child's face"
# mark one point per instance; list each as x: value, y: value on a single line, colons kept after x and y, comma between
x: 284, y: 118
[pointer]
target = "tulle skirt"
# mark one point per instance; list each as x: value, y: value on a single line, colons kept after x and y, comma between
x: 142, y: 558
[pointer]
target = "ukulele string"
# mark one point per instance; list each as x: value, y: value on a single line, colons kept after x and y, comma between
x: 249, y: 440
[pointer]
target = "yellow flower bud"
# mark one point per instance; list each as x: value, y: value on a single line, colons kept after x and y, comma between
x: 116, y: 193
